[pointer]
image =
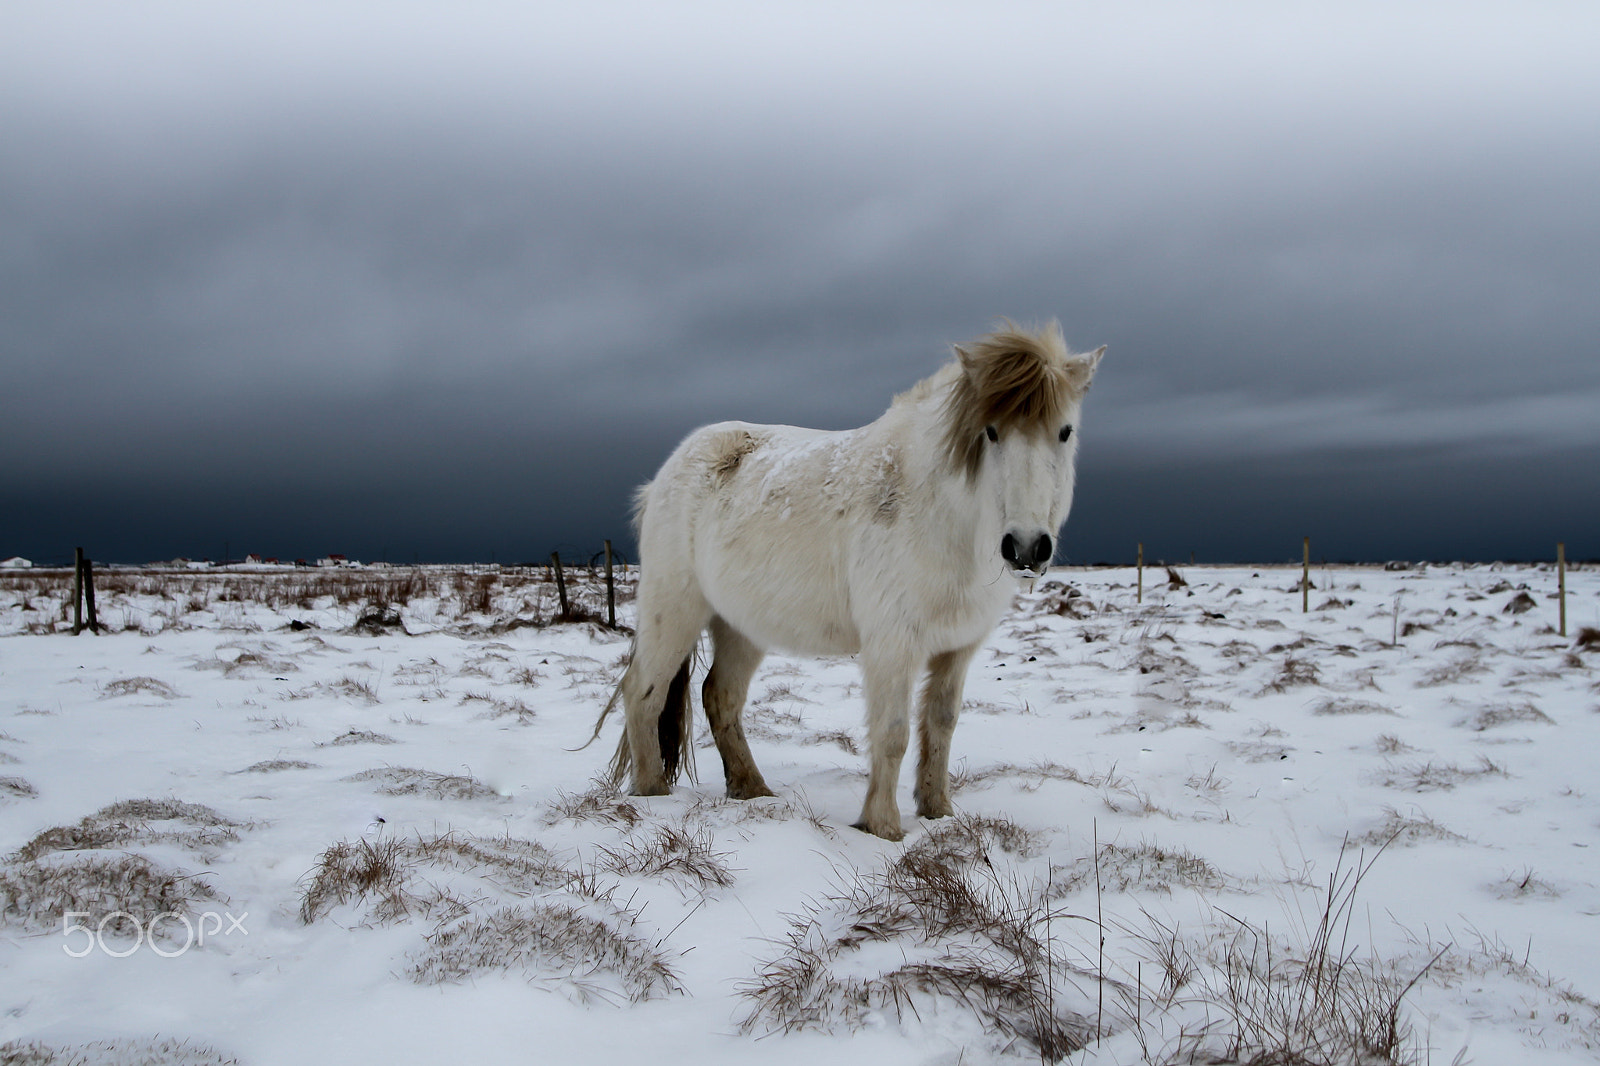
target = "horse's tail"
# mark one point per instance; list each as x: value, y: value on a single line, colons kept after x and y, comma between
x: 674, y: 729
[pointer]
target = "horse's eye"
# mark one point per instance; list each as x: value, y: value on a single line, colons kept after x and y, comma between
x: 1066, y: 431
x: 990, y: 430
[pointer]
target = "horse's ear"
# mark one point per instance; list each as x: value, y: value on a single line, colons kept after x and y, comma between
x: 1094, y: 358
x: 965, y: 357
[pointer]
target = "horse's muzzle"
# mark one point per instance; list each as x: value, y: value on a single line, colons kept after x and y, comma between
x: 1028, y: 556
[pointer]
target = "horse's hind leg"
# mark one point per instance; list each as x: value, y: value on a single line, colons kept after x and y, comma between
x: 941, y: 703
x: 733, y: 663
x: 656, y: 682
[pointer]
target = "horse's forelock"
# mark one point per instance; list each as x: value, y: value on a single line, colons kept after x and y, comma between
x: 1014, y: 380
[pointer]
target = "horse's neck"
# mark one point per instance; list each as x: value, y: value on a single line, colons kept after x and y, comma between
x: 961, y: 520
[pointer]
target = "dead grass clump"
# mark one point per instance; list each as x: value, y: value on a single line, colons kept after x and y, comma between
x: 1524, y: 885
x: 603, y: 803
x: 1142, y: 867
x: 1065, y: 600
x: 1521, y: 603
x: 1032, y: 776
x: 383, y: 875
x: 969, y: 838
x: 1389, y: 744
x: 378, y: 621
x: 840, y: 738
x: 130, y: 822
x: 155, y: 1051
x: 1434, y: 777
x: 1457, y: 669
x: 1292, y: 673
x: 358, y: 736
x: 17, y: 788
x: 133, y: 686
x: 958, y: 932
x: 376, y: 873
x: 1152, y: 660
x: 555, y: 941
x: 1588, y: 639
x: 356, y: 689
x: 272, y: 766
x: 523, y: 714
x: 1500, y: 714
x: 409, y: 781
x: 672, y: 853
x: 1403, y: 829
x: 1337, y: 705
x: 37, y: 894
x: 1282, y: 1003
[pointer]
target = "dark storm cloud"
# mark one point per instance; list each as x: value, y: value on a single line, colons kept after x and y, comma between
x: 479, y: 271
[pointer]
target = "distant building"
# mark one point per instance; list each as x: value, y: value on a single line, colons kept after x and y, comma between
x: 16, y: 562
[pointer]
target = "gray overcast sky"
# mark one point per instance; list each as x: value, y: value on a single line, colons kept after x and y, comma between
x: 445, y: 281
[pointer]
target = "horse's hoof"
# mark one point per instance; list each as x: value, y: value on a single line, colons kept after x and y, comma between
x: 891, y: 833
x: 661, y: 789
x: 930, y: 810
x: 750, y: 791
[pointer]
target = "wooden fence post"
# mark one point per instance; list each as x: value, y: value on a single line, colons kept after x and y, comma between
x: 1141, y: 572
x: 611, y: 591
x: 88, y: 595
x: 561, y: 583
x: 1305, y: 580
x: 1561, y: 571
x: 77, y: 591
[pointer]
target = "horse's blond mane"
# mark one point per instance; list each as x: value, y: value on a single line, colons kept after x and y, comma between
x: 1013, y: 379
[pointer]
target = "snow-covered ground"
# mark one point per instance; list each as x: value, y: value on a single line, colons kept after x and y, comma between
x: 396, y: 855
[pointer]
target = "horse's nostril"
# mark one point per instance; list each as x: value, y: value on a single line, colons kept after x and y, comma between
x: 1044, y: 549
x: 1008, y: 549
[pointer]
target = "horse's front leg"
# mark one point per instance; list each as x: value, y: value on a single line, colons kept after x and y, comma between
x: 888, y: 683
x: 941, y: 703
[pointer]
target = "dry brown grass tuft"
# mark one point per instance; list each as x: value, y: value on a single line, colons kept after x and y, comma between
x: 409, y: 781
x: 963, y: 934
x: 358, y: 736
x: 1338, y: 705
x: 1437, y: 777
x: 672, y: 853
x: 272, y: 766
x: 1456, y: 670
x: 156, y: 1051
x: 382, y: 875
x: 1293, y: 672
x: 37, y: 894
x: 1499, y: 714
x: 1402, y: 829
x: 17, y: 788
x: 1031, y: 776
x: 129, y: 822
x: 135, y: 686
x: 1141, y: 867
x: 553, y: 940
x: 1307, y: 1003
x: 603, y: 802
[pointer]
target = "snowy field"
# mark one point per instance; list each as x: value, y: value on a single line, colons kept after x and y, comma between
x: 360, y: 791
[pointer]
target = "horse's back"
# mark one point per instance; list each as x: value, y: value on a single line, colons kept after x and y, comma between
x: 758, y: 514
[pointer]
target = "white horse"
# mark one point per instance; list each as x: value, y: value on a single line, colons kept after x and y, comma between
x: 902, y: 541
